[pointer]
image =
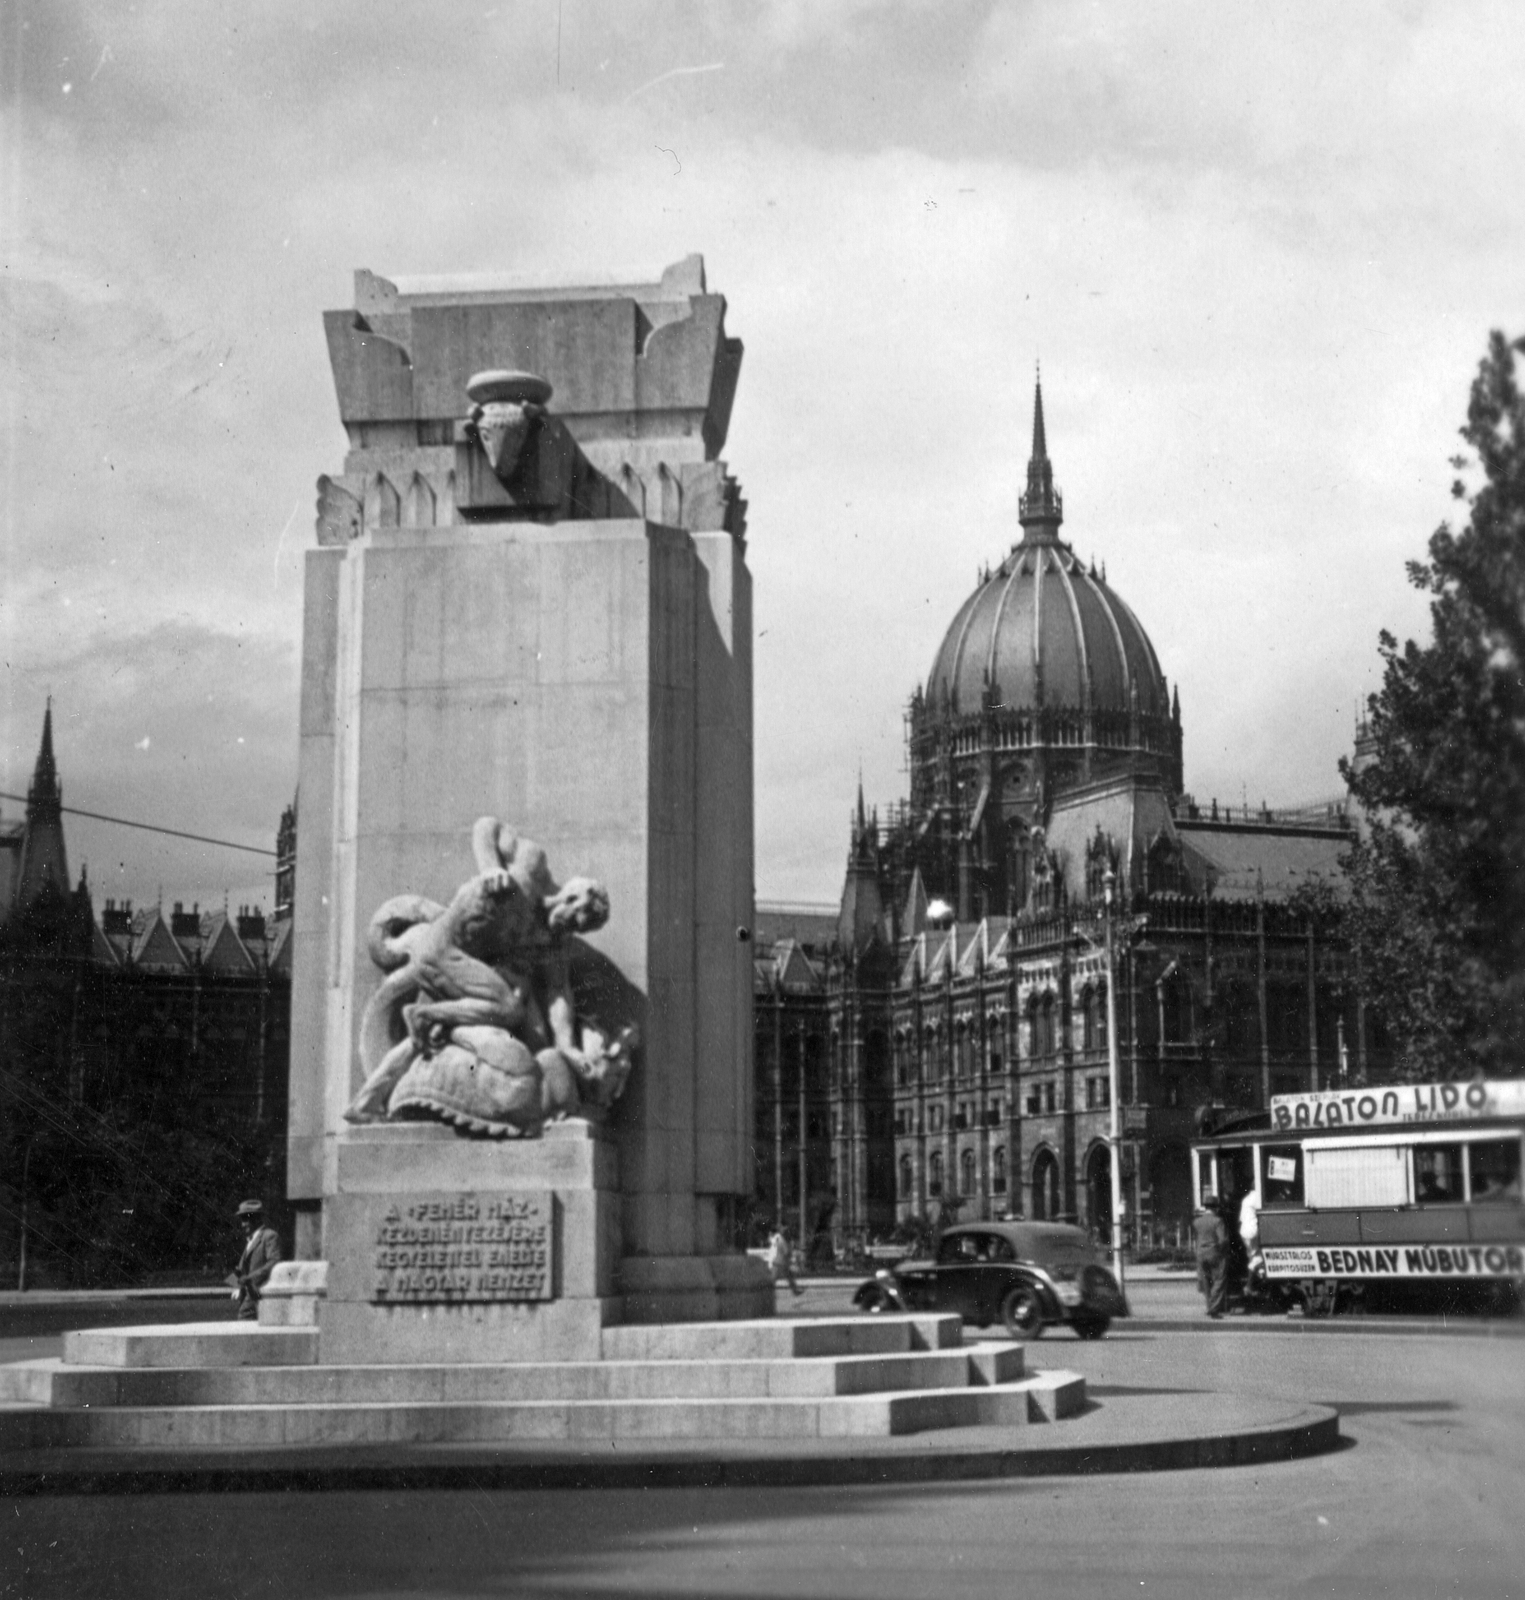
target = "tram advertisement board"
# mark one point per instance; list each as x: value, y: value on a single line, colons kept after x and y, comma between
x: 1399, y: 1104
x: 1397, y: 1261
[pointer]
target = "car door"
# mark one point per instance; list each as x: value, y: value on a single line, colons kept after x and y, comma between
x: 997, y: 1273
x: 958, y: 1272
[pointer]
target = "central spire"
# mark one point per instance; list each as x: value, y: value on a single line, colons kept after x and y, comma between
x: 44, y: 797
x: 1042, y: 507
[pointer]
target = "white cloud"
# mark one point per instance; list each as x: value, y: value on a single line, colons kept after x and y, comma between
x: 1258, y: 250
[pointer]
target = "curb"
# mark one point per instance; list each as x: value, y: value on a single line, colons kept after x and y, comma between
x: 1314, y: 1431
x: 1325, y: 1325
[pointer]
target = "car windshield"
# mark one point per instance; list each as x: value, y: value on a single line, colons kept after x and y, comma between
x: 974, y: 1248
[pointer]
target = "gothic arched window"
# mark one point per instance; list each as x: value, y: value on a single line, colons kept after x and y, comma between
x: 1045, y: 1186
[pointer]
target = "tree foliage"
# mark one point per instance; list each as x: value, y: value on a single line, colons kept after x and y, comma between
x: 1438, y: 883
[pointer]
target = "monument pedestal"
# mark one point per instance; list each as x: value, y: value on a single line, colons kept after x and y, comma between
x: 450, y: 1249
x: 529, y: 607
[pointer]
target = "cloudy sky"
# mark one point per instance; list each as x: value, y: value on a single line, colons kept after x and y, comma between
x: 1257, y: 248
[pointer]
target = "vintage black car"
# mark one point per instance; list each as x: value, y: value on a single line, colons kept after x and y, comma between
x: 1025, y: 1275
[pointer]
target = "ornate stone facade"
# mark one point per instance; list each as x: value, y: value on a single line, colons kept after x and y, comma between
x: 143, y: 1062
x: 937, y: 1042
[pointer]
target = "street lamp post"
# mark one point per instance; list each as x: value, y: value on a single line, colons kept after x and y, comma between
x: 1114, y: 1085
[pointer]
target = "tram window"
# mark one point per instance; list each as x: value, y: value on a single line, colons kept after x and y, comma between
x: 1207, y: 1166
x: 1437, y: 1173
x: 1495, y: 1169
x: 1236, y: 1173
x: 1283, y: 1175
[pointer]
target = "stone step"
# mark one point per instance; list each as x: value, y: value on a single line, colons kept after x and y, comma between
x: 780, y: 1338
x: 192, y: 1344
x: 186, y: 1427
x: 250, y: 1344
x: 63, y: 1384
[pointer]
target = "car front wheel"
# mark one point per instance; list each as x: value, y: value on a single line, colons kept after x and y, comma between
x: 1022, y: 1312
x: 1091, y: 1327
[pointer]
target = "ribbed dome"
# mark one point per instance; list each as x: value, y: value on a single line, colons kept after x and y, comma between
x: 1042, y: 629
x: 1041, y: 618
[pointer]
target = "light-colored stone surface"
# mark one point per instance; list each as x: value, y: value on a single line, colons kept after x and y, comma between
x: 684, y: 1417
x: 191, y: 1344
x: 475, y: 1021
x: 62, y: 1385
x: 390, y: 1164
x: 1055, y: 1395
x: 847, y: 1378
x: 779, y: 1339
x: 587, y: 680
x: 511, y: 713
x: 723, y: 1044
x: 356, y: 1331
x: 296, y: 1278
x: 387, y: 1158
x: 992, y: 1363
x: 293, y: 1294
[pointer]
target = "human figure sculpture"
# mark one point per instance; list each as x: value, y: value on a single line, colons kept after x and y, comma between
x: 475, y: 1021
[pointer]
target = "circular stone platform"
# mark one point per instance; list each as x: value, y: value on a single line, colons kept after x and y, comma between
x: 1121, y: 1433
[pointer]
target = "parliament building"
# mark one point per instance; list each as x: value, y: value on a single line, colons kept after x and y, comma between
x: 143, y: 1063
x: 935, y: 1045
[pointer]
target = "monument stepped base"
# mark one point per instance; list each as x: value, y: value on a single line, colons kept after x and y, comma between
x: 772, y: 1379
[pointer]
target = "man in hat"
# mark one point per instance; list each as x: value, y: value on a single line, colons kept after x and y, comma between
x: 1211, y: 1239
x: 262, y: 1249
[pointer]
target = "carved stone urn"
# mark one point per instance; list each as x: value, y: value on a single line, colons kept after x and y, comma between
x: 505, y: 408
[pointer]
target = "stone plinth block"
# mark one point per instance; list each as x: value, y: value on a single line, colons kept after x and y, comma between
x: 448, y: 1248
x: 385, y: 1157
x: 190, y: 1344
x: 293, y: 1294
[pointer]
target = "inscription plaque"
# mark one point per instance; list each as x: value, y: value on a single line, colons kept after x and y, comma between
x: 464, y: 1247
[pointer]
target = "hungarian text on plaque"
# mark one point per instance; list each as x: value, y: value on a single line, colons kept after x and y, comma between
x: 464, y: 1247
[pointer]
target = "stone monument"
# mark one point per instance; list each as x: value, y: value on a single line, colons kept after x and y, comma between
x: 520, y: 1104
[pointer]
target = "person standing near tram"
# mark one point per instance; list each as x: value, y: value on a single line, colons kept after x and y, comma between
x: 1249, y: 1223
x: 1211, y: 1240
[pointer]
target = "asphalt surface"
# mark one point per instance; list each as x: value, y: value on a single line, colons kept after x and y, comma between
x: 1425, y: 1499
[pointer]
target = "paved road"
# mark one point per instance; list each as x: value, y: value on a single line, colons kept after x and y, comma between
x: 1426, y: 1500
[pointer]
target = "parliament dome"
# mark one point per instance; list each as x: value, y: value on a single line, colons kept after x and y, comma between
x: 1044, y: 629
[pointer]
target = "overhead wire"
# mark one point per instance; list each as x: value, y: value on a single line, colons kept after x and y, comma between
x: 154, y: 827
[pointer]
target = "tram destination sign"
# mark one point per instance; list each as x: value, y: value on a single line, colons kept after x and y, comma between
x: 1398, y: 1261
x: 1398, y: 1104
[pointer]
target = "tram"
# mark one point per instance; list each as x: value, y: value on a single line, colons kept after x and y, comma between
x: 1375, y: 1189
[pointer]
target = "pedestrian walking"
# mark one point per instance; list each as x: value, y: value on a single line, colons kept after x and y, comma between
x: 1249, y: 1222
x: 262, y: 1249
x: 781, y: 1259
x: 1211, y: 1239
